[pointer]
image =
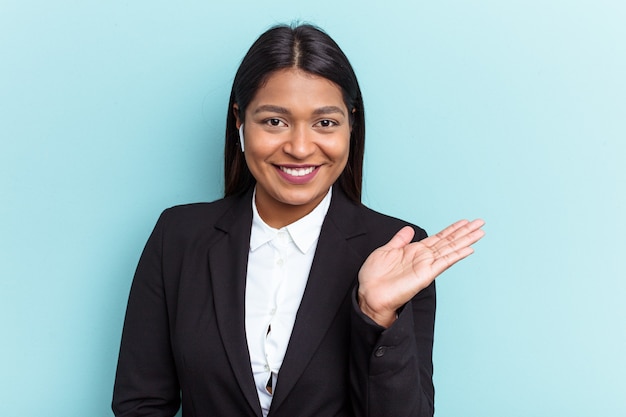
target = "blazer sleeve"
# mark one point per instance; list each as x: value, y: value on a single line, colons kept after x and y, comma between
x: 146, y: 382
x: 391, y: 369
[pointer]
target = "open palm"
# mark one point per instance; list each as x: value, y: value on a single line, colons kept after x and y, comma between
x: 397, y: 271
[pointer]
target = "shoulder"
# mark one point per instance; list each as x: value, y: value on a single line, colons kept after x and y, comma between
x: 199, y: 212
x: 200, y: 219
x: 360, y: 223
x: 387, y: 226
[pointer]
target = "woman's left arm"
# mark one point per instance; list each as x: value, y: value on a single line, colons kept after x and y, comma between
x: 391, y: 369
x: 393, y: 320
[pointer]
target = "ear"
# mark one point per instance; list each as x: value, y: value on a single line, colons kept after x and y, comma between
x: 238, y: 121
x: 352, y: 118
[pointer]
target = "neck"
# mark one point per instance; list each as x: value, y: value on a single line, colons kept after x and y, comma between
x: 277, y: 214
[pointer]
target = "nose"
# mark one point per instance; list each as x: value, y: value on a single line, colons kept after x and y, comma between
x: 300, y: 143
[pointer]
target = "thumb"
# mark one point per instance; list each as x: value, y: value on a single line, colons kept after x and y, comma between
x: 400, y: 239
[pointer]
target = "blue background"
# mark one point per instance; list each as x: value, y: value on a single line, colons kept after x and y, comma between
x: 513, y: 111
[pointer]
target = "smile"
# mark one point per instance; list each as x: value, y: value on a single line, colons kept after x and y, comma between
x: 297, y: 172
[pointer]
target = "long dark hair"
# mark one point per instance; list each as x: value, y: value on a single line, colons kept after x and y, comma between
x: 310, y: 49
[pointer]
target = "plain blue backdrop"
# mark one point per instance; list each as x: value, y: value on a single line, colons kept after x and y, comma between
x: 513, y: 111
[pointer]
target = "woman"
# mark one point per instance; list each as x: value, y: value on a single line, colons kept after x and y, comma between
x: 288, y: 297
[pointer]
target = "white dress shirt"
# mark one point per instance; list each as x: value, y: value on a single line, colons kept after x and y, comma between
x: 279, y: 263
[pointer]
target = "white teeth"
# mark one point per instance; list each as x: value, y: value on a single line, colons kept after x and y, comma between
x: 297, y: 172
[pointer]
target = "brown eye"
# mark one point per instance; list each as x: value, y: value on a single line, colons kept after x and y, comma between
x: 326, y: 123
x: 273, y: 122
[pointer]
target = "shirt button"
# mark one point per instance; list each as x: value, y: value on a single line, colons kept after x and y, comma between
x: 266, y: 367
x: 380, y: 352
x: 273, y: 311
x: 279, y: 262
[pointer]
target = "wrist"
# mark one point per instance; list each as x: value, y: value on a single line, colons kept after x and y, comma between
x: 384, y: 318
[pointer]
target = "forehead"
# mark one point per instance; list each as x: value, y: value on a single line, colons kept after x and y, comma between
x: 296, y: 89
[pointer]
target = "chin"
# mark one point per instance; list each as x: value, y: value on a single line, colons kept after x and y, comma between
x: 300, y: 199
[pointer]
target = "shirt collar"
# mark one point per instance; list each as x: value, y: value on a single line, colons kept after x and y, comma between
x: 304, y: 232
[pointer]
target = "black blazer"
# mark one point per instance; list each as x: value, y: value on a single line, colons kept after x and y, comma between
x: 184, y: 332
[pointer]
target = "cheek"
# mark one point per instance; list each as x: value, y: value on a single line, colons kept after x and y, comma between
x: 253, y: 161
x: 342, y: 150
x: 257, y: 150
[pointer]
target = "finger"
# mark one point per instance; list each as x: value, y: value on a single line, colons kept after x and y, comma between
x: 431, y: 240
x: 456, y: 243
x: 400, y: 239
x: 452, y: 233
x: 464, y: 227
x: 444, y: 262
x: 469, y: 229
x: 452, y: 228
x: 458, y: 249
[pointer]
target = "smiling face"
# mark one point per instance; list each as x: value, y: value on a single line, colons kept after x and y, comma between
x: 297, y: 140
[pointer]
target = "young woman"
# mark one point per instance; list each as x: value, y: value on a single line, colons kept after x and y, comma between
x: 287, y: 297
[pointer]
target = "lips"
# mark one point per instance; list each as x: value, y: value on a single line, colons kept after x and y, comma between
x: 297, y: 175
x: 297, y: 172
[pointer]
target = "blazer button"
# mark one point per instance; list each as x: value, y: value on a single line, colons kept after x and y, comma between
x: 380, y: 352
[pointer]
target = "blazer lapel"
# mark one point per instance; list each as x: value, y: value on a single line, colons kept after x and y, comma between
x: 228, y: 260
x: 331, y: 278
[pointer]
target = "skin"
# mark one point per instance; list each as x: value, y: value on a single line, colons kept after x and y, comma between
x: 397, y: 271
x: 297, y: 123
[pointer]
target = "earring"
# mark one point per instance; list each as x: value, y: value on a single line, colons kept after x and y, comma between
x: 241, y: 136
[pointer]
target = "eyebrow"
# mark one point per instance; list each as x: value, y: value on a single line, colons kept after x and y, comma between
x: 281, y: 110
x: 271, y: 108
x: 328, y: 110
